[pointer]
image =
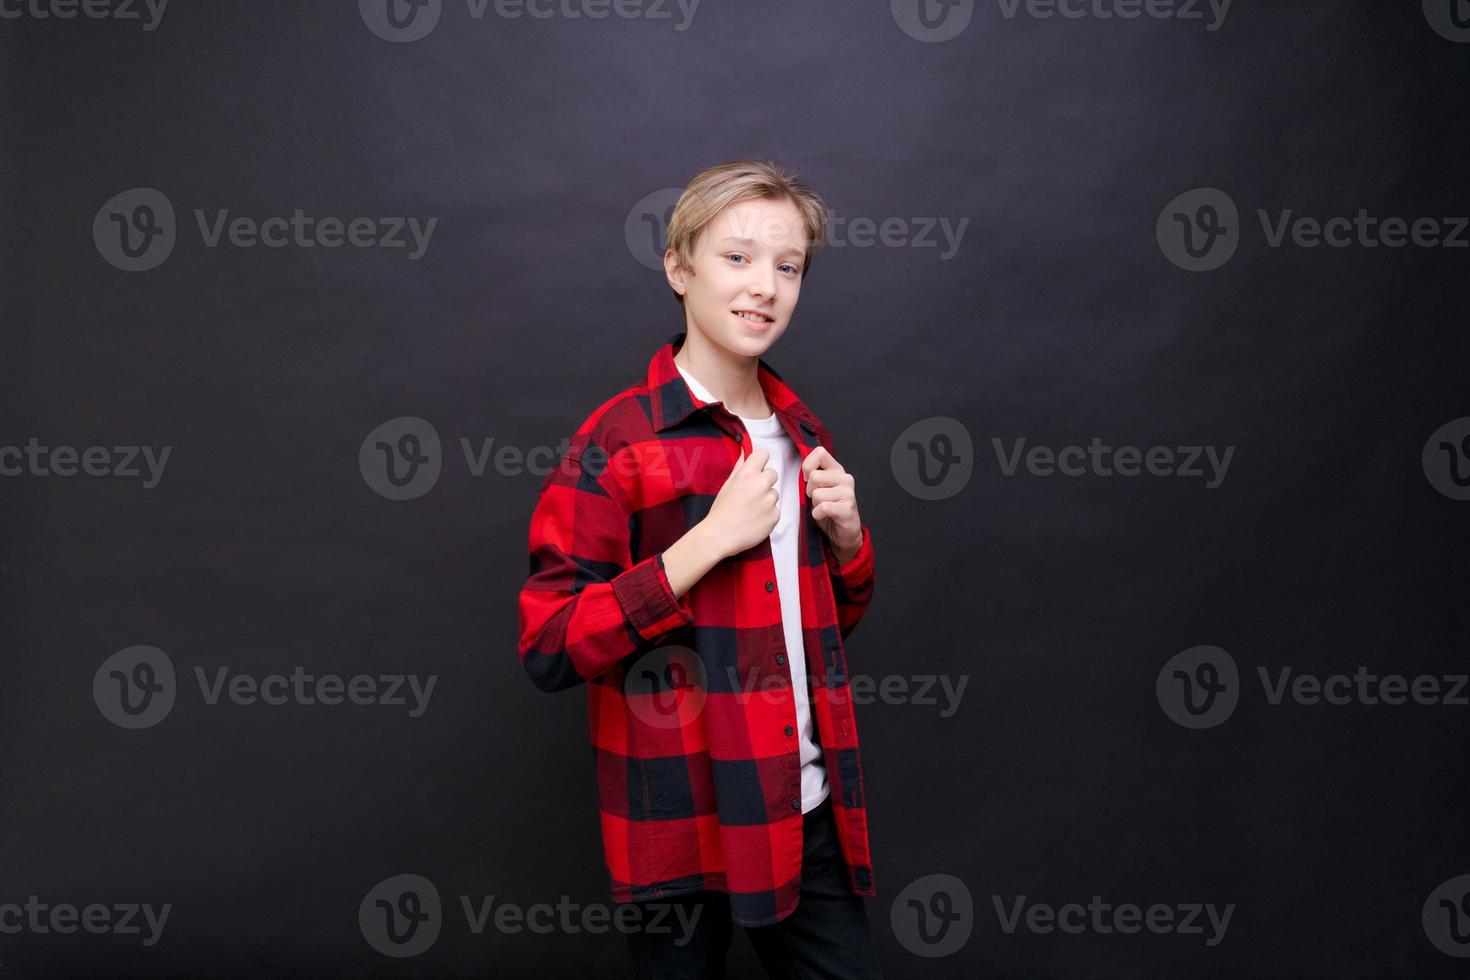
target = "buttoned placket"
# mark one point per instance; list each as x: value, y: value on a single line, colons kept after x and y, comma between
x: 736, y: 429
x: 805, y: 437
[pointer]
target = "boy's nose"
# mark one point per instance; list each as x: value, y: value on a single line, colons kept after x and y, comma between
x: 764, y: 284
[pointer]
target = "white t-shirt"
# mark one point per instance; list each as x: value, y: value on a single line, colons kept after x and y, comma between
x: 767, y: 434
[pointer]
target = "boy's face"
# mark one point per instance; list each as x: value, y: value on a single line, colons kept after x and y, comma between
x: 748, y: 258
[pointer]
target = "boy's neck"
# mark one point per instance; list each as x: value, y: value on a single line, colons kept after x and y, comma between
x: 732, y: 379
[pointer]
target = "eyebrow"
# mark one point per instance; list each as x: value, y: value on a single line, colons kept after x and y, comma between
x: 750, y: 243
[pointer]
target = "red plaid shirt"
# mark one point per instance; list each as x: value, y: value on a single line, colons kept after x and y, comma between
x: 690, y: 701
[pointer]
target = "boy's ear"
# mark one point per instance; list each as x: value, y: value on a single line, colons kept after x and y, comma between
x: 673, y: 273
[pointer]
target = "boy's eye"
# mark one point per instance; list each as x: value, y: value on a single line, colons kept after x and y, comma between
x: 790, y: 269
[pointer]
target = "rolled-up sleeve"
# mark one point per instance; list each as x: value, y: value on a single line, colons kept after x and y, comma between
x: 852, y: 584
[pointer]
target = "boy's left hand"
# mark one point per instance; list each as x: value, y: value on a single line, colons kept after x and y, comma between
x: 834, y: 502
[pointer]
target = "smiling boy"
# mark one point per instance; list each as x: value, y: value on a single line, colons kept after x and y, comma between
x: 698, y: 560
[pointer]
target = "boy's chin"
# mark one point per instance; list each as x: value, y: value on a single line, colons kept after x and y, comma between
x: 750, y: 344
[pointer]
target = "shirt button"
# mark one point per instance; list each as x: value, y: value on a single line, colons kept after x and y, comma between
x: 790, y: 730
x: 796, y: 804
x: 770, y: 586
x: 780, y: 658
x: 739, y: 437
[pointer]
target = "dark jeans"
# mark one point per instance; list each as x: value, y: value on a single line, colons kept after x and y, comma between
x: 826, y: 938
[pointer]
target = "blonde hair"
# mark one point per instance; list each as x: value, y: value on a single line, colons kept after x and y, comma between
x: 714, y: 189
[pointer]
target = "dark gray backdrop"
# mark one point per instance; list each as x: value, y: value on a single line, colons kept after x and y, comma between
x: 1067, y: 768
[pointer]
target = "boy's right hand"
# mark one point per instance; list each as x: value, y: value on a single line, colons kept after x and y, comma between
x: 747, y: 507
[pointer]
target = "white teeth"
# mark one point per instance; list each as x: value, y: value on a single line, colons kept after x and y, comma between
x: 755, y: 316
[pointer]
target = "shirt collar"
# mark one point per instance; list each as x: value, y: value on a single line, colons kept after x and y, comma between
x: 672, y: 402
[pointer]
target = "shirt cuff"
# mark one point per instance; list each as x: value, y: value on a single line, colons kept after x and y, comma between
x: 857, y: 571
x: 648, y: 601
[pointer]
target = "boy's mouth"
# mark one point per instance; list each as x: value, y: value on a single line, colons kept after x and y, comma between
x: 755, y: 318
